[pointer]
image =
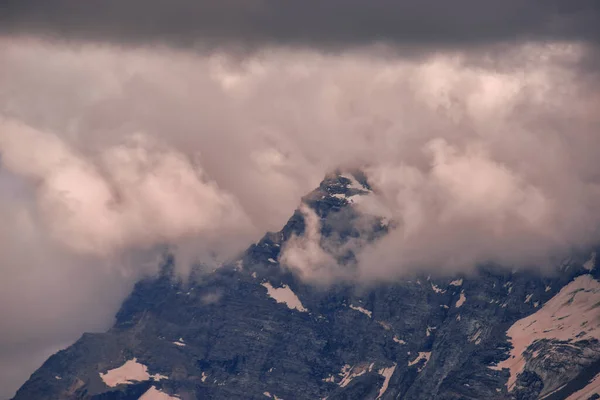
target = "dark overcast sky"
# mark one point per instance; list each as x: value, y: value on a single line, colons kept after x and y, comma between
x: 338, y: 23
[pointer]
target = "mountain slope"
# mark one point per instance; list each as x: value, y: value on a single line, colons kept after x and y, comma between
x: 253, y: 329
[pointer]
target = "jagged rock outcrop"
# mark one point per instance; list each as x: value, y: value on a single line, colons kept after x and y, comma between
x: 254, y: 330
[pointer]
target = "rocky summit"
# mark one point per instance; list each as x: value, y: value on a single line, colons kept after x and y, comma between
x: 253, y: 329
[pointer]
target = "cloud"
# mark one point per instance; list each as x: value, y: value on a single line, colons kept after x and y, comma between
x: 463, y: 209
x: 49, y: 296
x: 109, y: 152
x: 127, y: 196
x: 305, y: 254
x: 337, y: 23
x: 130, y: 147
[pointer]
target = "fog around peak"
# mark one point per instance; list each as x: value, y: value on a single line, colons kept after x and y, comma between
x: 112, y: 151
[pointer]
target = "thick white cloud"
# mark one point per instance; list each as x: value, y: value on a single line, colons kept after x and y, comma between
x: 108, y: 152
x: 126, y: 196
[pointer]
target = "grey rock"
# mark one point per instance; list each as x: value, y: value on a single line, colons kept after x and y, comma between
x: 239, y: 343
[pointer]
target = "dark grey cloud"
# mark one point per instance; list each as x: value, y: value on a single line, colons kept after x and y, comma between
x: 329, y: 23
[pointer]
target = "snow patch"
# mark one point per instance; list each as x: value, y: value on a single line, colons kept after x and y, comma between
x: 354, y: 198
x: 330, y: 379
x: 397, y: 340
x: 179, y: 342
x: 362, y: 310
x: 348, y: 373
x: 456, y: 282
x: 461, y: 300
x: 423, y: 355
x: 155, y: 394
x: 564, y: 317
x: 272, y: 396
x: 158, y: 377
x: 128, y: 373
x: 387, y: 374
x: 385, y: 325
x: 272, y: 261
x: 284, y: 295
x: 528, y: 298
x: 204, y: 377
x: 437, y: 289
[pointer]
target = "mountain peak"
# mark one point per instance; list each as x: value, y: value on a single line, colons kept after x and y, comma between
x: 258, y: 328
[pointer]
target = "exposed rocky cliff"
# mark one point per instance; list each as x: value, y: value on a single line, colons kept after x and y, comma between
x: 254, y: 330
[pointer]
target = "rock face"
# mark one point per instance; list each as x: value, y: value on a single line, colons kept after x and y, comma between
x: 254, y: 330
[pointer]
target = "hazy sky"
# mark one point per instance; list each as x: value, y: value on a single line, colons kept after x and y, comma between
x: 129, y: 125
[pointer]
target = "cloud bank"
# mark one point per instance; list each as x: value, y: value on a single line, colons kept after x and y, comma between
x: 126, y: 196
x: 109, y: 152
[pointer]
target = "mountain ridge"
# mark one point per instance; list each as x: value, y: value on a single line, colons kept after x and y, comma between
x: 234, y: 333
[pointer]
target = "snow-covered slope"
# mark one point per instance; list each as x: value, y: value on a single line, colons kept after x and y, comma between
x: 570, y: 320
